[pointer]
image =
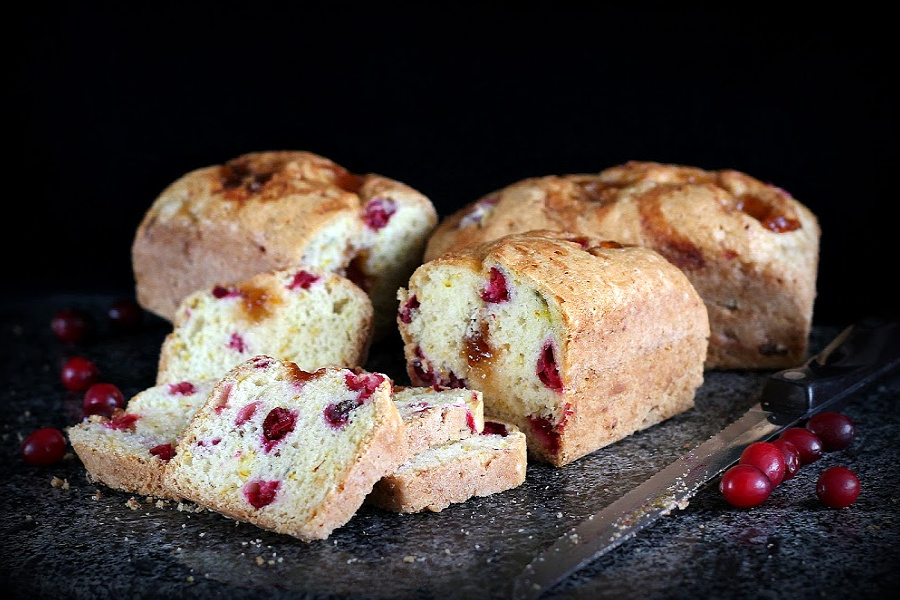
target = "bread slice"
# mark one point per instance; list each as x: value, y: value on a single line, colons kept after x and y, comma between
x: 288, y: 450
x: 128, y: 452
x: 308, y: 316
x: 488, y: 463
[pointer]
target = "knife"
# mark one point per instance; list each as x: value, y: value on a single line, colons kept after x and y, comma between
x: 859, y: 356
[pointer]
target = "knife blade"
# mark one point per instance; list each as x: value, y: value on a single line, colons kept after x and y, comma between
x: 859, y: 356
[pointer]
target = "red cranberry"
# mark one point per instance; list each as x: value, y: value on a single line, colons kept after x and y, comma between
x: 837, y: 487
x: 494, y: 428
x: 43, y: 447
x: 221, y: 291
x: 547, y: 370
x: 125, y: 315
x: 378, y: 211
x: 182, y: 388
x: 745, y: 486
x: 407, y: 308
x: 236, y: 343
x: 545, y: 433
x: 277, y: 424
x: 78, y: 374
x: 766, y: 457
x: 364, y: 383
x: 103, y: 399
x: 164, y: 452
x: 303, y: 280
x: 261, y: 493
x: 808, y: 444
x: 496, y: 289
x: 122, y: 421
x: 791, y: 457
x: 338, y: 414
x: 245, y: 413
x: 834, y: 429
x: 72, y: 325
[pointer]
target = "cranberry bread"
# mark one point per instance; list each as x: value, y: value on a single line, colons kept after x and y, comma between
x: 576, y: 341
x: 433, y: 415
x: 129, y: 451
x: 312, y: 317
x: 265, y: 211
x: 749, y: 248
x: 491, y: 462
x: 288, y: 450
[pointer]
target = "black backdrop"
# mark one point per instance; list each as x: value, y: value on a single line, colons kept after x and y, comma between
x: 114, y: 103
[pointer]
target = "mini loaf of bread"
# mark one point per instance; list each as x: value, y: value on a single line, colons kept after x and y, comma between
x: 749, y: 248
x: 288, y: 450
x: 434, y: 415
x: 273, y: 210
x: 576, y: 341
x: 491, y: 462
x: 129, y: 451
x: 309, y: 316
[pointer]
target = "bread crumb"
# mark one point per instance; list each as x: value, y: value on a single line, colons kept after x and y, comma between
x: 409, y: 559
x: 133, y: 504
x: 59, y: 483
x: 260, y: 561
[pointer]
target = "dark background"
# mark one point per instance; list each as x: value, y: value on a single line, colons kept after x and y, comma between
x: 112, y: 104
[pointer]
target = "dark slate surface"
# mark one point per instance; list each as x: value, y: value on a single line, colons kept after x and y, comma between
x: 84, y: 541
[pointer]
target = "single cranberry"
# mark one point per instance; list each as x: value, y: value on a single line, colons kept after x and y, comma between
x: 164, y: 452
x: 791, y: 457
x: 808, y: 444
x: 496, y: 289
x: 745, y: 486
x: 277, y: 424
x: 412, y: 304
x: 78, y: 374
x: 545, y: 433
x: 303, y: 280
x: 122, y: 421
x: 261, y: 493
x: 103, y: 399
x: 834, y: 429
x: 364, y: 383
x: 44, y: 446
x: 494, y: 428
x: 378, y: 211
x: 236, y: 343
x: 72, y: 325
x: 837, y: 487
x: 125, y: 315
x: 338, y: 414
x: 547, y: 370
x: 182, y: 388
x: 245, y: 413
x: 766, y: 457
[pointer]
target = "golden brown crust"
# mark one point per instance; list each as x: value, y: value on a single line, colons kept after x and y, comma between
x: 749, y: 248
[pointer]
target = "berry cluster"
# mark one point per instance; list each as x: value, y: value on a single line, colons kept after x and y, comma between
x: 764, y: 465
x: 47, y: 445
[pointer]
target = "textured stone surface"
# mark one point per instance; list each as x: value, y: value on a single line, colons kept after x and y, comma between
x: 86, y: 541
